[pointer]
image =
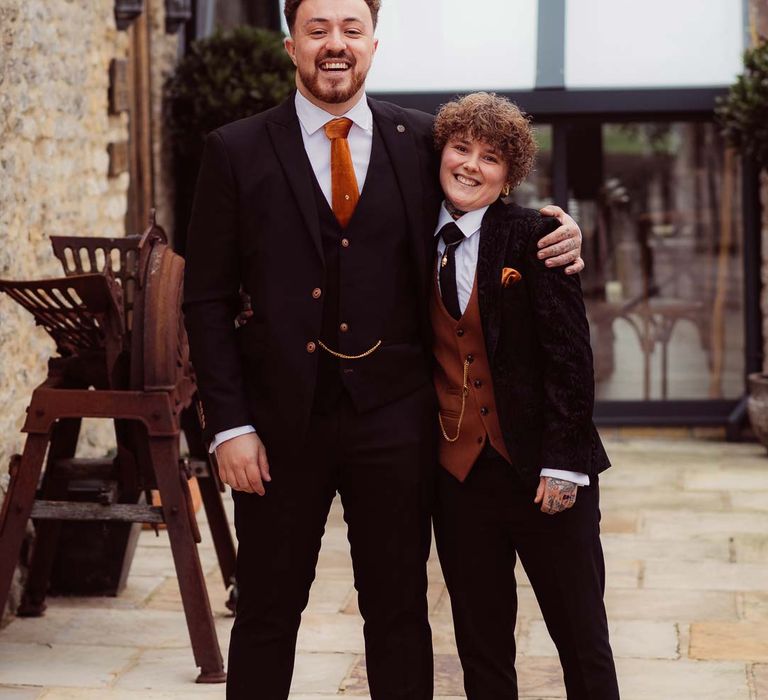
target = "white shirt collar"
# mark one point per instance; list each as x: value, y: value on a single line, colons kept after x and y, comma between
x: 468, y: 224
x: 313, y: 118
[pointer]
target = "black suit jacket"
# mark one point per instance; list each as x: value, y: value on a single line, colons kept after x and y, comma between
x: 255, y: 225
x: 537, y: 339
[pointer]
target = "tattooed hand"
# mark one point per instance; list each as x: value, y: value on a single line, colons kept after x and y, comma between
x: 555, y: 495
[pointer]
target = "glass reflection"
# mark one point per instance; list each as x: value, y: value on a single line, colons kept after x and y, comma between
x: 659, y: 205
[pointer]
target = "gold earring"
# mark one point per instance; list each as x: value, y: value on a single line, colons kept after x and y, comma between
x: 506, y: 190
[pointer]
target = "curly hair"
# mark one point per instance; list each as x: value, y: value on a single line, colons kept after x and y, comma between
x: 292, y: 7
x: 495, y: 120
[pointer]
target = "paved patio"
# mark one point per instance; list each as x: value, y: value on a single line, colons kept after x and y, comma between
x: 685, y: 531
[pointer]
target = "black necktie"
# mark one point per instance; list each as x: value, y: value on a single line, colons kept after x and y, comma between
x: 452, y: 237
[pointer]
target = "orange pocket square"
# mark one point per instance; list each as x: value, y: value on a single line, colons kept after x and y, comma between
x: 510, y: 276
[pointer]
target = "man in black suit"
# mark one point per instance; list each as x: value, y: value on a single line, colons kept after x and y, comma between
x: 322, y: 210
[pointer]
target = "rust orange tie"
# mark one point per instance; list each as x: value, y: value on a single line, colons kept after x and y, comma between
x: 343, y: 181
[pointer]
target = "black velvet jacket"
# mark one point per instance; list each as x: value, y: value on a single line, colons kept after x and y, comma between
x: 537, y: 339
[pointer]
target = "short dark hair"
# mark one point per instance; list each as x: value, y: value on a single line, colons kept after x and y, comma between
x: 497, y: 121
x: 292, y: 7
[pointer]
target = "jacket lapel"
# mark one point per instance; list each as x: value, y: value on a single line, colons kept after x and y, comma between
x: 490, y: 262
x: 403, y: 154
x: 285, y: 132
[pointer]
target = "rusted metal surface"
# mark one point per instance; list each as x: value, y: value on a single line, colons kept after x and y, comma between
x: 122, y: 355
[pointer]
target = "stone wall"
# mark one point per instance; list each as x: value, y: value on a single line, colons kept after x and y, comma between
x: 54, y: 130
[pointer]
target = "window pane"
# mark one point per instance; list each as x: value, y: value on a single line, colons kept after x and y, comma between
x: 661, y: 215
x: 454, y: 46
x: 653, y: 43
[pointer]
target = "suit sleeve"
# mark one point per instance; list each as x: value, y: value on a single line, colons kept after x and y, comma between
x: 563, y: 332
x: 211, y: 292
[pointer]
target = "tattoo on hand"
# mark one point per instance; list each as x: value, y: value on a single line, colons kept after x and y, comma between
x: 561, y: 494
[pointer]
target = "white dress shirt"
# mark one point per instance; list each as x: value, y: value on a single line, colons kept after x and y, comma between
x: 318, y: 147
x: 466, y: 263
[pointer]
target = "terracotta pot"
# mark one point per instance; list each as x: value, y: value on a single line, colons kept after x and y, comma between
x: 757, y: 405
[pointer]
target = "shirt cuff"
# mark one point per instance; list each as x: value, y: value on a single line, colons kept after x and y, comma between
x: 575, y: 477
x: 230, y: 434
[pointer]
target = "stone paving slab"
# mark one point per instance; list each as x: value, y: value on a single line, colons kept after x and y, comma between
x: 749, y: 500
x: 642, y: 679
x: 537, y: 678
x: 675, y: 524
x: 640, y: 547
x: 669, y: 605
x: 731, y: 475
x: 641, y: 639
x: 750, y: 549
x: 137, y: 592
x: 706, y: 575
x: 726, y: 641
x: 9, y: 693
x: 685, y: 533
x: 754, y: 606
x: 760, y: 681
x: 58, y: 664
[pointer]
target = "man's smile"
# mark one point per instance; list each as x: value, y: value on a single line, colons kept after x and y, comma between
x: 334, y: 66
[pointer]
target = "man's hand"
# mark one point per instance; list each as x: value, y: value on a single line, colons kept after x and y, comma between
x: 563, y: 245
x: 243, y: 463
x: 555, y: 495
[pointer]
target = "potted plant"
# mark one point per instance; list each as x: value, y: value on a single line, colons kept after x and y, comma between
x: 224, y: 77
x: 743, y: 118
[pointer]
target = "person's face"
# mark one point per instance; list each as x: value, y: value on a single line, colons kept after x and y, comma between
x: 472, y: 173
x: 332, y: 46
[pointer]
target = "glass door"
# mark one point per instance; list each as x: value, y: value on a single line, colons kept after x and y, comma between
x: 660, y: 207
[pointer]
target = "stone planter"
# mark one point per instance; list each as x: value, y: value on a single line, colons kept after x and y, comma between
x: 757, y: 405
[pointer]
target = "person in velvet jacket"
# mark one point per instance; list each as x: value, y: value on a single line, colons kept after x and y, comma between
x: 514, y: 379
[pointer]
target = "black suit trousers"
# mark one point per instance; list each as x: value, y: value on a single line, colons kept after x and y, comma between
x: 481, y: 526
x: 382, y: 464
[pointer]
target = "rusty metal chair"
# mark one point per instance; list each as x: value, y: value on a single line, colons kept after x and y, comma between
x: 122, y: 355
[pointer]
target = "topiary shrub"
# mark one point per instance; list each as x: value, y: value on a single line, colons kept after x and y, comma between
x: 743, y: 114
x: 224, y: 77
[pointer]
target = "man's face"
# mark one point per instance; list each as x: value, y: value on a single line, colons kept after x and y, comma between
x: 332, y: 46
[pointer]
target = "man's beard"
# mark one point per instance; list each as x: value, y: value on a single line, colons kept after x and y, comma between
x: 332, y: 95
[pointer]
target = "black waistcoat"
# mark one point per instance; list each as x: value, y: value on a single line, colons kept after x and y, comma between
x: 370, y: 294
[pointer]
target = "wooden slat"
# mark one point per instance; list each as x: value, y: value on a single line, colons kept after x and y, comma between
x: 121, y: 512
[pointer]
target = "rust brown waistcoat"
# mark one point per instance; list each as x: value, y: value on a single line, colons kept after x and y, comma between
x: 454, y: 342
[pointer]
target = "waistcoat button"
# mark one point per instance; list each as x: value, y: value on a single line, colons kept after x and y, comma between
x: 470, y: 359
x: 478, y: 383
x: 460, y: 332
x: 483, y: 411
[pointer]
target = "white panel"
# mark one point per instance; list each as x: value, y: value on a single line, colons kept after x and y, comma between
x: 653, y: 43
x: 455, y: 45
